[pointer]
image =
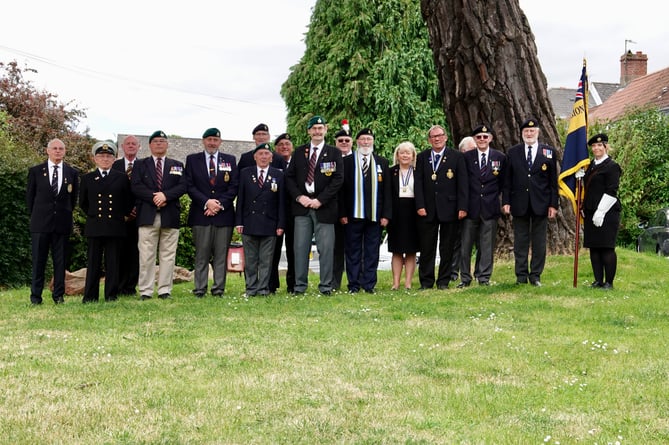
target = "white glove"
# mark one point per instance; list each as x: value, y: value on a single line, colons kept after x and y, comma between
x: 604, y: 206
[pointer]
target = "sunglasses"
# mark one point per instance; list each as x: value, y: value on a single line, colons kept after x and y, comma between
x: 481, y: 136
x: 342, y: 141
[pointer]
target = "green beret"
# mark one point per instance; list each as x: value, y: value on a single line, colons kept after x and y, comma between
x: 316, y: 120
x: 364, y: 132
x: 157, y: 134
x: 104, y: 147
x: 211, y: 132
x: 263, y: 146
x: 260, y: 127
x: 529, y: 123
x: 601, y: 137
x: 281, y: 137
x: 481, y: 129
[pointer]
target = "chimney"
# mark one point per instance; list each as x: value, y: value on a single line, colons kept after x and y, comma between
x: 632, y: 66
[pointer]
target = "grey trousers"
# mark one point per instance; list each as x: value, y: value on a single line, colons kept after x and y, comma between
x: 307, y: 227
x: 211, y: 245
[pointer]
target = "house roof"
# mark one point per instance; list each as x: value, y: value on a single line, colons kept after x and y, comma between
x: 562, y: 99
x: 651, y: 90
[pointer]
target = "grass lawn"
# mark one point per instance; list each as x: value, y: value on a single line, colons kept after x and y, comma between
x: 503, y: 364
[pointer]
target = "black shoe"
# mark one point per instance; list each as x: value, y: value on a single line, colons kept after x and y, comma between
x: 198, y: 294
x: 484, y: 283
x: 536, y: 283
x: 217, y: 294
x: 607, y: 286
x: 596, y: 284
x: 370, y: 291
x: 145, y: 297
x: 59, y: 300
x: 353, y: 291
x: 327, y: 293
x: 442, y: 286
x: 462, y: 285
x: 424, y: 288
x: 164, y: 296
x: 521, y: 281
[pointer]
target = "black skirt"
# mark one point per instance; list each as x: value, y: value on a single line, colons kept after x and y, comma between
x: 402, y: 230
x: 601, y: 237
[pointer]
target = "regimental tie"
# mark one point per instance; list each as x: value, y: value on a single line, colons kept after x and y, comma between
x: 312, y: 166
x: 128, y: 171
x: 435, y: 166
x: 529, y: 156
x: 54, y: 180
x: 104, y: 174
x: 261, y: 178
x: 365, y: 166
x: 212, y: 170
x: 159, y: 173
x: 484, y: 164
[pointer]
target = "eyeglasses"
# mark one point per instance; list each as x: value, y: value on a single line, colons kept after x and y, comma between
x: 435, y: 136
x: 344, y: 141
x: 481, y: 136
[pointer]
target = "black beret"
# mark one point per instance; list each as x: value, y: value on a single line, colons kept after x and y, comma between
x: 157, y: 134
x: 104, y: 147
x: 601, y: 137
x: 211, y: 132
x: 316, y: 120
x: 260, y: 127
x: 281, y: 137
x: 481, y: 129
x: 263, y: 146
x: 529, y: 123
x: 341, y: 133
x: 365, y: 132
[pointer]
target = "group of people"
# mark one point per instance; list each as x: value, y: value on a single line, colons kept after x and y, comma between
x: 340, y: 197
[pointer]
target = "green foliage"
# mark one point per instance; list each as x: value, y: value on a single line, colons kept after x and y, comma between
x: 15, y: 253
x: 639, y: 143
x: 186, y: 247
x: 367, y: 61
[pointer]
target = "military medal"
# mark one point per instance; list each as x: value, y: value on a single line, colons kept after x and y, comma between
x: 434, y: 176
x: 405, y: 178
x: 226, y: 178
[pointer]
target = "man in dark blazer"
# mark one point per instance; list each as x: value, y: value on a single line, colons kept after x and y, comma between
x: 530, y: 195
x: 485, y: 170
x: 157, y: 183
x: 260, y: 218
x: 129, y: 267
x: 313, y: 180
x: 53, y: 187
x: 260, y: 136
x: 212, y: 181
x: 366, y: 207
x: 106, y: 200
x: 442, y: 193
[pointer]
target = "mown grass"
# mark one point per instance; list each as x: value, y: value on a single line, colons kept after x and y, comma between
x: 501, y: 365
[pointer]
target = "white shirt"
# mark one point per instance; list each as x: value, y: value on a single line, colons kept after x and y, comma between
x: 60, y: 173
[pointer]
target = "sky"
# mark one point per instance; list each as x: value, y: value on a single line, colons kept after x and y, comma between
x: 139, y: 66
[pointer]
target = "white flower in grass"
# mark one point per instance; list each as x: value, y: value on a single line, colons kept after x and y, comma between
x: 547, y: 438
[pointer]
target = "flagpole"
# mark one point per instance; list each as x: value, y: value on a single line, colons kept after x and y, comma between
x: 579, y: 183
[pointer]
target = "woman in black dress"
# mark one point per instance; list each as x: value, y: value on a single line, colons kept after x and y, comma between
x: 402, y: 230
x: 601, y: 212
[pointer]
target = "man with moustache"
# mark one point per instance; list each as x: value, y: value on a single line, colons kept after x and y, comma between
x: 366, y: 207
x: 212, y: 182
x: 313, y: 180
x: 530, y: 195
x: 157, y: 183
x: 442, y: 194
x: 129, y: 267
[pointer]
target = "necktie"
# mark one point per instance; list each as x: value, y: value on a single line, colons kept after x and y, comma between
x: 261, y: 178
x: 104, y: 173
x: 529, y: 156
x: 159, y: 173
x: 212, y: 170
x: 128, y: 171
x: 365, y: 166
x: 54, y: 180
x: 312, y: 167
x: 484, y: 165
x: 436, y: 162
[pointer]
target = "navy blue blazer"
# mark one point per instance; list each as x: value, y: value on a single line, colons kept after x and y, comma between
x: 49, y: 213
x: 535, y: 190
x: 328, y: 178
x: 261, y: 210
x: 105, y: 202
x: 448, y: 193
x: 485, y: 190
x: 200, y: 190
x: 143, y: 185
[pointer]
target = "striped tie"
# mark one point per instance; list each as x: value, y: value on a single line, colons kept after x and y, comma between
x: 212, y: 170
x: 365, y: 166
x: 261, y: 178
x: 312, y: 167
x: 54, y: 180
x: 159, y: 173
x: 128, y: 171
x: 484, y: 165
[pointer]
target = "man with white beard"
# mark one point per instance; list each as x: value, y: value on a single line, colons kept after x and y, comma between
x: 366, y: 207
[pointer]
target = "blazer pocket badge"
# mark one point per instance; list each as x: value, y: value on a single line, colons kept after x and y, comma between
x: 450, y: 174
x: 544, y: 167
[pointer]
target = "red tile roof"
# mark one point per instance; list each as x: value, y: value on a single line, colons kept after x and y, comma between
x: 651, y: 90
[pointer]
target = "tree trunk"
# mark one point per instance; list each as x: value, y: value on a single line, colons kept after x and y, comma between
x: 489, y: 73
